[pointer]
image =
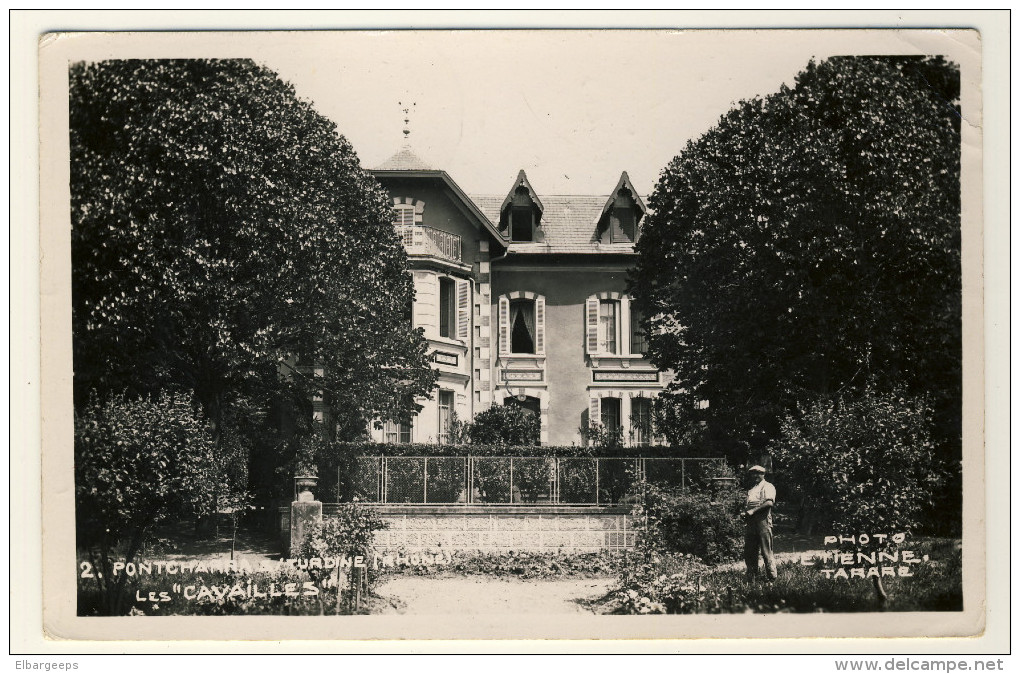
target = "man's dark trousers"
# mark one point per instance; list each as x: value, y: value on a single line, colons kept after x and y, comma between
x: 758, y: 540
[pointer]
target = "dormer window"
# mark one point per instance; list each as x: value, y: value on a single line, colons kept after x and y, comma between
x: 622, y: 220
x: 521, y: 212
x: 522, y: 217
x: 621, y: 214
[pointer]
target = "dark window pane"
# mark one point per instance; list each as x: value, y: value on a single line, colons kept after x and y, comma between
x: 611, y: 414
x: 520, y: 224
x: 638, y: 344
x: 447, y: 307
x: 522, y: 326
x: 621, y: 225
x: 641, y: 421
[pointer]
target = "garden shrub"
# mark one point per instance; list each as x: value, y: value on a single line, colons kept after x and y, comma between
x: 137, y: 462
x: 349, y: 533
x: 524, y: 564
x: 663, y: 583
x: 701, y: 522
x: 504, y: 425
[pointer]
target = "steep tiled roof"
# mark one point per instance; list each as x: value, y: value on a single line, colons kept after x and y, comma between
x: 569, y: 224
x: 405, y: 160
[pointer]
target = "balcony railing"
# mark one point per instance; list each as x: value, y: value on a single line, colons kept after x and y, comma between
x: 421, y: 240
x: 504, y: 480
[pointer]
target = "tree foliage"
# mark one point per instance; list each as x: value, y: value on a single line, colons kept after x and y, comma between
x: 810, y: 243
x: 868, y: 461
x: 222, y: 227
x: 136, y: 463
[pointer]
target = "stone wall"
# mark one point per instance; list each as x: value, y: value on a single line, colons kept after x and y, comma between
x: 504, y: 528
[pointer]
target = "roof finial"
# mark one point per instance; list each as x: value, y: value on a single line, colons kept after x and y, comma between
x: 407, y: 119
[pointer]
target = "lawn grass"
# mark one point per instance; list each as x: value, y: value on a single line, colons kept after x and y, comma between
x: 669, y: 586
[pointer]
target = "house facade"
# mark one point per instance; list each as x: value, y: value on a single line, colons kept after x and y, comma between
x: 522, y: 297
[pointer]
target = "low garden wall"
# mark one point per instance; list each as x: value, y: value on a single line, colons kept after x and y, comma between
x: 505, y: 499
x: 494, y: 528
x: 501, y: 529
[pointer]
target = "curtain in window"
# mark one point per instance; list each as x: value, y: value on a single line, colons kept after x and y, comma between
x: 522, y: 314
x: 528, y: 313
x: 515, y: 312
x: 607, y: 326
x: 445, y: 410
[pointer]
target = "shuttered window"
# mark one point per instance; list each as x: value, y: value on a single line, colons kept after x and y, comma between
x: 504, y: 326
x: 447, y: 307
x: 623, y: 218
x: 540, y: 325
x: 621, y: 225
x: 591, y: 325
x: 403, y: 215
x: 522, y: 325
x: 463, y: 310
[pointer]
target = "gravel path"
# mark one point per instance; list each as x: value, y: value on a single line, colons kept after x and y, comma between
x: 480, y: 595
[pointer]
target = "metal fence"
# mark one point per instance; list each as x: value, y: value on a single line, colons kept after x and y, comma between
x: 504, y: 480
x: 421, y: 240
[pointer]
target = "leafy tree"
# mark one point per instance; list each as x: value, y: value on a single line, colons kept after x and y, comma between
x: 136, y: 463
x: 220, y: 229
x: 511, y: 425
x: 808, y: 244
x: 868, y: 462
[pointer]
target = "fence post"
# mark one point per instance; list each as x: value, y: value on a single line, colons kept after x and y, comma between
x: 425, y: 480
x: 596, y: 481
x: 683, y: 476
x: 556, y: 480
x: 305, y: 512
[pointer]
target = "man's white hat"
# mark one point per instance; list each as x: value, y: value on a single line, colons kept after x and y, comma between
x: 756, y: 469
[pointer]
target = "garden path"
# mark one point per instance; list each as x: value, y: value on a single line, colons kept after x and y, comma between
x: 480, y: 595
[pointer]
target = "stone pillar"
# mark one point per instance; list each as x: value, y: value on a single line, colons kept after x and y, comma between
x: 304, y: 513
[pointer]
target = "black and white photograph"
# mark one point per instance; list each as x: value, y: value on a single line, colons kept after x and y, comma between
x: 513, y: 333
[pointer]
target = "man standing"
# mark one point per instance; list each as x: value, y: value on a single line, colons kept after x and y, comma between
x: 758, y: 525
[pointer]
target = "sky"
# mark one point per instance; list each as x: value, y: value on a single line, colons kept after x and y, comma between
x: 572, y: 108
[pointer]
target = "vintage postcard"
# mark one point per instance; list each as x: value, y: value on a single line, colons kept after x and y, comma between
x: 512, y: 334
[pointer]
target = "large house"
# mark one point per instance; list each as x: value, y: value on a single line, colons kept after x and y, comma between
x: 522, y: 297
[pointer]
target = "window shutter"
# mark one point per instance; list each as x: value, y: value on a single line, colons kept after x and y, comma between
x: 504, y: 326
x: 540, y: 325
x: 463, y: 310
x: 592, y: 324
x: 623, y: 325
x: 594, y: 411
